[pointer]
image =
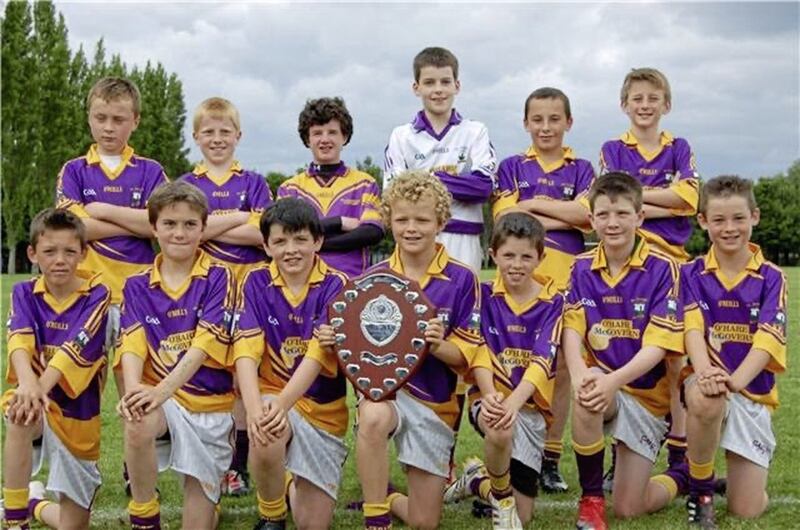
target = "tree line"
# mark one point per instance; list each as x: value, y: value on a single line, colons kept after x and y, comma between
x: 44, y: 124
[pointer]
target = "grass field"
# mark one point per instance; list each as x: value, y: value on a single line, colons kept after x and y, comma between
x: 552, y: 511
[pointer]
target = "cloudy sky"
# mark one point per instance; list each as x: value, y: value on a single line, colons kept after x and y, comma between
x: 734, y: 68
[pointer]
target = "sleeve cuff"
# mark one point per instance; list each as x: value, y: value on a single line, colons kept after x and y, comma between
x: 74, y: 379
x: 762, y: 340
x: 327, y: 360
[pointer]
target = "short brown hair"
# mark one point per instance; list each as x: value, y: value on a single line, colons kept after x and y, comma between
x: 56, y: 219
x: 521, y: 225
x: 321, y: 111
x: 411, y: 186
x: 437, y: 57
x: 175, y: 192
x: 219, y: 108
x: 725, y: 186
x: 549, y: 93
x: 614, y: 185
x: 113, y: 89
x: 652, y: 76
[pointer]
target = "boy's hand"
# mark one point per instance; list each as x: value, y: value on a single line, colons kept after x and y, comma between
x: 273, y: 421
x: 256, y: 433
x: 713, y: 381
x: 492, y: 407
x: 597, y: 392
x: 326, y: 336
x: 512, y: 405
x: 144, y: 399
x: 349, y: 224
x: 434, y: 334
x: 28, y: 403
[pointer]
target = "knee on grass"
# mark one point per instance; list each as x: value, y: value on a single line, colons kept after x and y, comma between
x: 703, y: 408
x: 142, y: 433
x: 748, y: 507
x: 375, y: 420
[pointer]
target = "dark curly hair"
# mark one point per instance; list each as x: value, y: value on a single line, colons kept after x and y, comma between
x: 321, y: 111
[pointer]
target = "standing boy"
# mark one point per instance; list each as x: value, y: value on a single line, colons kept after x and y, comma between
x: 454, y: 149
x: 665, y: 167
x: 735, y: 303
x: 621, y: 318
x: 423, y: 416
x: 551, y: 183
x: 292, y: 390
x: 346, y: 200
x: 516, y: 384
x: 236, y: 197
x: 56, y: 331
x: 173, y: 351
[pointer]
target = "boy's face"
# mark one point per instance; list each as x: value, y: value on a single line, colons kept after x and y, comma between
x: 179, y: 230
x: 112, y: 123
x: 645, y: 104
x: 547, y: 122
x: 415, y: 225
x: 57, y: 253
x: 729, y: 222
x: 326, y: 142
x: 615, y: 222
x: 516, y: 258
x: 217, y: 139
x: 437, y: 88
x: 293, y: 252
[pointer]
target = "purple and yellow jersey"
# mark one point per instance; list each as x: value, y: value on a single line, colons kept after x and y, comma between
x: 523, y: 177
x: 453, y: 288
x: 523, y: 340
x: 671, y: 166
x: 618, y: 316
x: 276, y: 329
x: 238, y: 191
x: 86, y: 179
x: 159, y: 324
x: 68, y: 335
x: 737, y: 315
x: 350, y: 193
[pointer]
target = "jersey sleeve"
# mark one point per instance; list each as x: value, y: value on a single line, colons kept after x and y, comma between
x: 666, y: 327
x: 687, y: 184
x: 132, y: 336
x: 325, y: 357
x: 507, y: 193
x: 394, y: 161
x: 371, y: 205
x: 465, y: 332
x: 574, y: 313
x: 82, y: 354
x: 260, y: 196
x: 692, y: 315
x: 475, y: 183
x: 771, y: 333
x: 609, y: 159
x: 583, y: 183
x: 540, y: 371
x: 69, y: 191
x: 248, y: 337
x: 156, y: 178
x: 213, y: 332
x: 19, y: 329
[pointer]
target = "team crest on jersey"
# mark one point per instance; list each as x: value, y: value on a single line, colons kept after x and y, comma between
x: 670, y: 177
x: 672, y: 308
x: 639, y: 307
x: 754, y: 311
x: 443, y: 314
x: 568, y: 192
x: 475, y: 321
x: 81, y: 339
x: 780, y: 321
x: 136, y: 198
x: 242, y: 198
x: 291, y: 349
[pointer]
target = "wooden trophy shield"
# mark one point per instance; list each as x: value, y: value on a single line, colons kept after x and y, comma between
x: 380, y: 321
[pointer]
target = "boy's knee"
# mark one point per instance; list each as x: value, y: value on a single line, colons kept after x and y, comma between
x: 500, y: 437
x: 20, y: 431
x: 267, y: 454
x: 748, y: 507
x: 703, y: 408
x: 423, y: 521
x: 142, y: 433
x: 627, y: 510
x: 374, y: 420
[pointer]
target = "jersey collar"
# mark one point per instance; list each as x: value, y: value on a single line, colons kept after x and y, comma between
x: 93, y: 158
x: 567, y: 155
x: 201, y: 170
x: 318, y: 271
x: 640, y: 251
x: 755, y: 262
x: 89, y: 281
x: 421, y: 123
x: 435, y: 268
x: 199, y: 269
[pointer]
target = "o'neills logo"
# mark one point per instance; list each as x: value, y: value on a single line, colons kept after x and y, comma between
x: 600, y: 334
x: 291, y: 349
x: 721, y: 333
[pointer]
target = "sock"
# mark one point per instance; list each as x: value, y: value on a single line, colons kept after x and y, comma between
x: 16, y: 507
x: 392, y: 496
x: 145, y: 515
x: 553, y: 449
x: 590, y: 466
x: 501, y: 484
x: 376, y: 515
x: 701, y: 478
x: 35, y: 507
x: 241, y: 452
x: 272, y: 510
x: 482, y: 489
x: 676, y: 450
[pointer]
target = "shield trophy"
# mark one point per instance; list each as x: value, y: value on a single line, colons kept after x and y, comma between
x: 380, y: 320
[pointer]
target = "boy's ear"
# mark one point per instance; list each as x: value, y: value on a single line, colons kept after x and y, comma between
x: 755, y: 215
x: 266, y: 249
x: 415, y: 88
x: 32, y: 255
x: 702, y: 221
x: 136, y: 119
x: 318, y: 243
x: 640, y: 218
x: 457, y: 84
x: 569, y: 124
x: 491, y: 254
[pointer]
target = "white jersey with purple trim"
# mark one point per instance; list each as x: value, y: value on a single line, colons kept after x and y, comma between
x: 461, y: 156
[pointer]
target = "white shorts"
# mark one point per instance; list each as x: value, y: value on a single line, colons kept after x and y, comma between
x: 69, y: 475
x: 314, y: 454
x: 466, y: 248
x: 200, y: 445
x: 112, y: 328
x: 529, y: 433
x: 422, y: 439
x: 747, y: 430
x: 636, y: 427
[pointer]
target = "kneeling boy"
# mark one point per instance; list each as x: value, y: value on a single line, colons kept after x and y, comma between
x: 176, y: 319
x: 621, y: 319
x: 291, y: 388
x: 423, y: 415
x: 56, y: 331
x: 521, y: 324
x: 735, y: 303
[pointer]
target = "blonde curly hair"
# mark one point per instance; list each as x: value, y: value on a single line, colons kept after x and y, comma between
x: 411, y: 186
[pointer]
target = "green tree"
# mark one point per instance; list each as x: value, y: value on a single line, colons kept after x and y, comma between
x: 274, y: 180
x: 778, y: 199
x: 19, y: 119
x: 79, y: 84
